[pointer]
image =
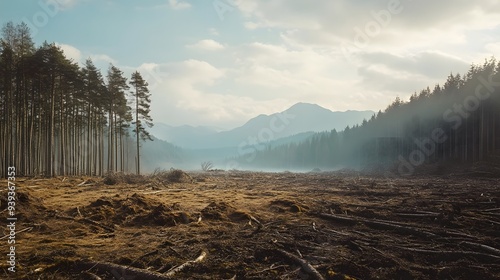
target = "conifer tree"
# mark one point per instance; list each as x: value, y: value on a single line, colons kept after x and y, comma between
x: 115, y: 100
x: 142, y: 118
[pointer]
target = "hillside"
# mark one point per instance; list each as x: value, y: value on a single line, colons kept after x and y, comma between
x: 458, y: 122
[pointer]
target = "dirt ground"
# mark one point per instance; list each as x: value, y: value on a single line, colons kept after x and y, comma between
x: 248, y: 225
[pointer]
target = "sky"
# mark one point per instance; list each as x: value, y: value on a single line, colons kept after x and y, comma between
x: 221, y: 62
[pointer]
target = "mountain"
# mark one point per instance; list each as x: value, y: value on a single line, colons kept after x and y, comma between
x: 300, y: 118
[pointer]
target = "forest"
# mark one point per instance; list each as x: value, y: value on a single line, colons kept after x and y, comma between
x: 57, y: 118
x: 455, y: 122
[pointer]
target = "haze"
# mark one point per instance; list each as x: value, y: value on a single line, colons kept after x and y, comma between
x: 220, y: 63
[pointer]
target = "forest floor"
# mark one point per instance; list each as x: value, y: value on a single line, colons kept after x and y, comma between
x: 249, y: 225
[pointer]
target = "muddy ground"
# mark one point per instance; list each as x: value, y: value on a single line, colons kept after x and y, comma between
x: 247, y: 225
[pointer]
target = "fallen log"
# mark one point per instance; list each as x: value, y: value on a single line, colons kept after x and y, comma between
x: 309, y: 269
x: 183, y: 266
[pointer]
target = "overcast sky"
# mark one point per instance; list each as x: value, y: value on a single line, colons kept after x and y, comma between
x: 221, y: 62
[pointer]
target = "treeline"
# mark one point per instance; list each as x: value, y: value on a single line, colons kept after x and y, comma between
x: 458, y: 121
x: 57, y: 118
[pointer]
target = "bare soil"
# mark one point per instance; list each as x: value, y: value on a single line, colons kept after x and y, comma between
x: 247, y: 225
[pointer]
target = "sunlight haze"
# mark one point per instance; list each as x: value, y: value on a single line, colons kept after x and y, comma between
x: 219, y: 63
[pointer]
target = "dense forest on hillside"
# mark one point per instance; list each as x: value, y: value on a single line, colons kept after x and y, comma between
x: 458, y: 121
x: 57, y: 118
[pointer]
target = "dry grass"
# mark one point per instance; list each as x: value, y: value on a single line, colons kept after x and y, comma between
x: 241, y: 219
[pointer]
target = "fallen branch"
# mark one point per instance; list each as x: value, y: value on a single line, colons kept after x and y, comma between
x: 86, y: 220
x: 120, y: 270
x: 17, y: 232
x: 183, y: 266
x: 145, y: 256
x: 252, y: 218
x: 267, y: 269
x: 417, y: 215
x: 78, y: 210
x: 379, y: 224
x: 82, y: 183
x: 450, y: 254
x: 91, y: 276
x: 483, y: 247
x: 168, y: 190
x: 309, y: 269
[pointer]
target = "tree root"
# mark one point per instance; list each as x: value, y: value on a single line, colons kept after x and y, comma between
x: 309, y: 269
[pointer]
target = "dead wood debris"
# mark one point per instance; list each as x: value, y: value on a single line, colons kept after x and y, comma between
x: 183, y: 266
x: 272, y: 267
x: 380, y: 224
x: 309, y: 269
x: 91, y: 276
x: 120, y: 270
x: 450, y: 254
x: 86, y: 220
x: 17, y: 232
x: 483, y: 247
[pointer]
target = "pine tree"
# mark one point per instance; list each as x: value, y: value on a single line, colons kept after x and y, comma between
x: 115, y: 98
x: 142, y: 118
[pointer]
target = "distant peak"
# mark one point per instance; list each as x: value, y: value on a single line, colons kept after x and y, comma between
x: 305, y: 107
x: 304, y: 104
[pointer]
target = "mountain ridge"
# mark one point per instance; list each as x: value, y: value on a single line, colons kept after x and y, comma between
x: 299, y: 118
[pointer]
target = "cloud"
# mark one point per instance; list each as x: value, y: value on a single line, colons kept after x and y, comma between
x: 207, y: 45
x: 179, y: 5
x: 329, y: 23
x: 402, y: 75
x: 71, y: 52
x: 102, y: 58
x: 102, y: 61
x: 187, y: 94
x: 431, y: 64
x: 277, y: 72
